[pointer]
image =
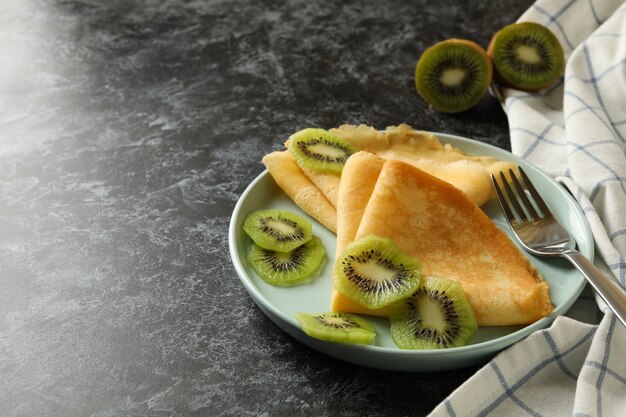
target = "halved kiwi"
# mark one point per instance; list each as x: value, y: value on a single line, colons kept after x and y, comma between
x: 436, y: 316
x: 288, y: 268
x: 453, y: 75
x: 526, y: 56
x: 337, y: 327
x: 279, y: 230
x: 373, y: 271
x: 319, y: 150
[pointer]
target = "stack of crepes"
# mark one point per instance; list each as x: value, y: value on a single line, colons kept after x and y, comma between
x: 406, y: 185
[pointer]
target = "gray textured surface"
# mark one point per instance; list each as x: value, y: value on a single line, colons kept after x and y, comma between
x: 128, y: 129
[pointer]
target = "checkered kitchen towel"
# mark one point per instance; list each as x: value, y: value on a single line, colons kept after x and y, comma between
x: 575, y: 131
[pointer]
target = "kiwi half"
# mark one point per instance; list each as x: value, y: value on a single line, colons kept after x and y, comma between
x: 319, y: 150
x: 337, y: 327
x: 526, y: 56
x: 287, y: 268
x: 374, y: 272
x: 436, y: 316
x: 453, y: 75
x: 278, y: 230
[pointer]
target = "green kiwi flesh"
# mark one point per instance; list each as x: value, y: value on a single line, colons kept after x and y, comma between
x: 288, y: 268
x: 454, y: 75
x: 337, y: 327
x: 278, y: 230
x: 319, y: 150
x: 526, y: 56
x: 436, y: 316
x: 374, y: 272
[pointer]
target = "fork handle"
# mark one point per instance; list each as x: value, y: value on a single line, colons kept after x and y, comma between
x: 611, y: 292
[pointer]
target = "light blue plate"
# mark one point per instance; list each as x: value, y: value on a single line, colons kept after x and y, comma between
x: 281, y: 304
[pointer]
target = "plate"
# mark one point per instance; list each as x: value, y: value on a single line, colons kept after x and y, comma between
x: 281, y: 304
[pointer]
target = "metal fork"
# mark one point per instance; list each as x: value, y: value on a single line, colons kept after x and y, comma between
x: 540, y: 233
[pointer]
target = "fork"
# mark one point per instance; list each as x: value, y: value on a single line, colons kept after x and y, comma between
x: 540, y: 233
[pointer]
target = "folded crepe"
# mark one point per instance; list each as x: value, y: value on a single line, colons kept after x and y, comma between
x: 327, y: 183
x: 358, y: 179
x: 470, y: 174
x: 440, y: 226
x: 292, y: 180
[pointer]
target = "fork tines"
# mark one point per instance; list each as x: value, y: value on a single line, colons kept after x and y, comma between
x: 519, y: 193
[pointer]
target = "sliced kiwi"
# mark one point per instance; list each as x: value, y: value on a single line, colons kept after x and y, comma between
x: 319, y: 150
x: 279, y: 230
x: 436, y: 316
x: 374, y: 272
x: 453, y: 75
x: 337, y: 327
x: 526, y: 56
x: 288, y: 268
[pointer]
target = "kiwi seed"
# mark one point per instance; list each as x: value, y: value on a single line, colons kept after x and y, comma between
x: 278, y: 230
x: 438, y: 315
x: 526, y: 56
x: 288, y: 268
x: 319, y: 150
x: 453, y: 75
x: 374, y: 272
x: 337, y: 327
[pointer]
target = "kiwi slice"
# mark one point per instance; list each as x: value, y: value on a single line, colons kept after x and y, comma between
x: 374, y: 272
x: 278, y: 230
x: 436, y: 316
x: 526, y: 56
x: 287, y: 268
x: 319, y: 150
x: 453, y: 75
x: 337, y: 327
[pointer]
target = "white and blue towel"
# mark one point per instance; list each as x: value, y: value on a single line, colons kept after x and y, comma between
x: 576, y: 132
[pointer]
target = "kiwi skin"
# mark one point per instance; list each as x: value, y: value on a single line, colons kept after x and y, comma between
x: 517, y: 82
x: 422, y: 68
x: 258, y: 225
x: 360, y: 270
x: 291, y: 268
x: 337, y: 327
x: 302, y: 145
x: 417, y: 324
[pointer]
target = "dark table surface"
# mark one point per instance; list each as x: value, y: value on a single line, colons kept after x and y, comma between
x: 128, y: 130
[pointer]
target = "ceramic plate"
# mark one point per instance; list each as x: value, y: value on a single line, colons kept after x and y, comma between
x: 281, y: 304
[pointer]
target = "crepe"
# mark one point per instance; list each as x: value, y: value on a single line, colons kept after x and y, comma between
x: 290, y: 178
x: 358, y: 179
x: 440, y: 226
x: 327, y: 183
x: 470, y: 174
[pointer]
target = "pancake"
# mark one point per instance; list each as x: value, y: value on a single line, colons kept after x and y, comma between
x: 328, y: 184
x: 292, y: 180
x: 440, y: 226
x: 470, y: 174
x: 358, y: 179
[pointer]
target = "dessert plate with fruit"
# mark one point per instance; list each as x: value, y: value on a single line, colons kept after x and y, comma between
x: 301, y: 303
